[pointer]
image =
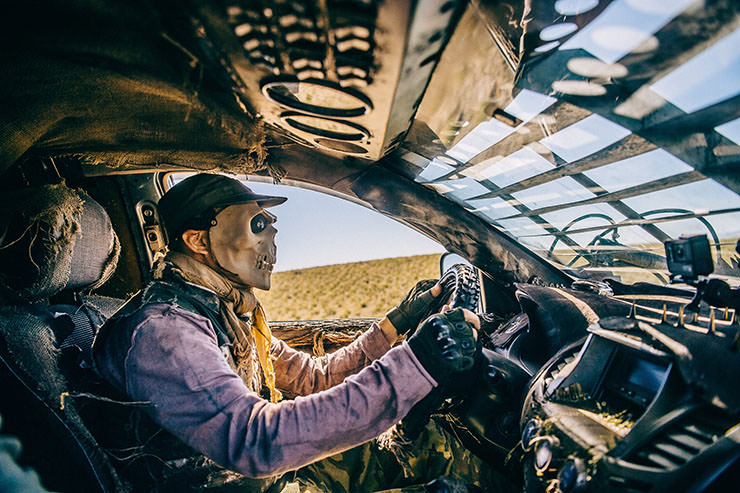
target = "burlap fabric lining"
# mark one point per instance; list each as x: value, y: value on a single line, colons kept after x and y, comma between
x: 31, y: 347
x: 37, y: 239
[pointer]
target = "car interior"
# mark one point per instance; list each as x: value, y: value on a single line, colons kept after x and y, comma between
x: 581, y: 157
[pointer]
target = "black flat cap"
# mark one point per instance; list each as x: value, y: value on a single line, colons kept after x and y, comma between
x: 201, y: 193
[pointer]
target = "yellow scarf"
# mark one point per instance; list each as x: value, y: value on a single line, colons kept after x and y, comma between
x: 235, y: 304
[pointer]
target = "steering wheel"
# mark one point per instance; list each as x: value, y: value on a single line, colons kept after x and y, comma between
x: 460, y: 289
x: 492, y: 374
x: 488, y: 397
x: 462, y: 281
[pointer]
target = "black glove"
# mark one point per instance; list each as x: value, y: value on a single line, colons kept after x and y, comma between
x: 418, y: 304
x: 445, y: 344
x: 489, y: 323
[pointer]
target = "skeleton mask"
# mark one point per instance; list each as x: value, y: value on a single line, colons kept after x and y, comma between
x: 243, y: 243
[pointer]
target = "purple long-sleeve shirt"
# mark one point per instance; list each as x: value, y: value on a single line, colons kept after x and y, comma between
x: 347, y: 397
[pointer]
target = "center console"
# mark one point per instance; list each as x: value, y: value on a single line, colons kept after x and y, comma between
x: 641, y: 405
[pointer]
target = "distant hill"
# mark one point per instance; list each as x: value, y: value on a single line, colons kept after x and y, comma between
x: 357, y: 289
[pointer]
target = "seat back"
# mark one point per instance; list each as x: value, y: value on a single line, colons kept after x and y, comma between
x: 53, y: 238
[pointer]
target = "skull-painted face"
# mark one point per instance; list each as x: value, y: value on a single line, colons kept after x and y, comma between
x: 243, y: 243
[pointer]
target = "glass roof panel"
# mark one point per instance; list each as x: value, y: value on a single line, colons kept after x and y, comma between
x: 435, y: 169
x: 584, y: 137
x: 639, y: 169
x: 416, y: 159
x: 561, y: 191
x: 708, y: 78
x: 727, y: 227
x: 623, y: 26
x: 515, y: 167
x: 528, y: 104
x: 571, y: 217
x: 492, y: 209
x: 703, y: 195
x: 479, y: 139
x: 527, y: 231
x: 594, y: 221
x: 525, y: 106
x: 464, y: 188
x: 731, y: 130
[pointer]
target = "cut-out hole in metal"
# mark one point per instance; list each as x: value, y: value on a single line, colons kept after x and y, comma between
x: 317, y: 97
x: 447, y: 7
x: 557, y: 31
x: 574, y: 7
x: 547, y: 47
x: 436, y: 37
x: 431, y: 58
x: 325, y: 127
x: 341, y: 146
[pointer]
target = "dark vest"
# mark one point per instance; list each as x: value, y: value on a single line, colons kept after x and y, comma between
x: 148, y: 457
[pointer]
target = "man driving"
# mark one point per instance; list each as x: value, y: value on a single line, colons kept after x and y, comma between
x: 196, y: 345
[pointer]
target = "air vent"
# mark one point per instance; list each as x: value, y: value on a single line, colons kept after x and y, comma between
x: 558, y: 366
x: 682, y: 441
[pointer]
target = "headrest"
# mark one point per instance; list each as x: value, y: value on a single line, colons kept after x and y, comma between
x: 54, y: 238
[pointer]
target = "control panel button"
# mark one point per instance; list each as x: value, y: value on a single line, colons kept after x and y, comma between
x: 543, y: 452
x: 531, y: 429
x: 572, y: 475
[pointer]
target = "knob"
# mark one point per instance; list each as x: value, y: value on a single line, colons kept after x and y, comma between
x: 531, y: 429
x: 572, y: 475
x: 543, y: 452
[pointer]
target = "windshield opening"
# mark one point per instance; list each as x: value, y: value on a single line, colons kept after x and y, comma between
x: 609, y: 141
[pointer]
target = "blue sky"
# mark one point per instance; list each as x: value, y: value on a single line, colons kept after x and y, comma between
x: 319, y: 229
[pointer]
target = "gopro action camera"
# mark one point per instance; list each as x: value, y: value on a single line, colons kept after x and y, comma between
x: 689, y: 256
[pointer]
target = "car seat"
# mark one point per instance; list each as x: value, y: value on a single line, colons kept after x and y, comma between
x: 52, y: 239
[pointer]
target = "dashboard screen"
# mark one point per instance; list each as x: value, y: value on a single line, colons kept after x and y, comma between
x: 645, y: 374
x: 635, y: 377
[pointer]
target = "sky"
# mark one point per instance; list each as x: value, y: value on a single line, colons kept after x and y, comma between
x: 318, y: 229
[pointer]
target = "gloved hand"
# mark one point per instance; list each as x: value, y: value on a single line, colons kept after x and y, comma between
x: 489, y: 323
x: 418, y: 304
x: 445, y: 344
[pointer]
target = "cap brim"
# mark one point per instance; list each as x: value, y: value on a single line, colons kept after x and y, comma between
x: 246, y: 197
x: 270, y: 201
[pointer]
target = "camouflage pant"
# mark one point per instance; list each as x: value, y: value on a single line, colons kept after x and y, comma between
x: 368, y: 467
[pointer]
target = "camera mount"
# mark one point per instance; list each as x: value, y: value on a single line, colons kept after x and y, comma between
x: 689, y: 258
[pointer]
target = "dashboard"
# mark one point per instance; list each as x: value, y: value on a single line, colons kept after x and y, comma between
x: 642, y: 404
